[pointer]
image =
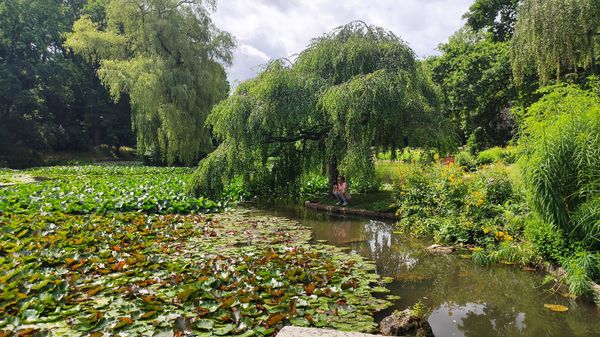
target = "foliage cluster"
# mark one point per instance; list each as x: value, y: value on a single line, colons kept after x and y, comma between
x: 166, y: 57
x: 474, y: 73
x: 554, y: 38
x: 51, y: 100
x: 359, y: 86
x: 483, y: 208
x: 560, y: 140
x: 102, y: 189
x: 506, y: 155
x: 140, y: 274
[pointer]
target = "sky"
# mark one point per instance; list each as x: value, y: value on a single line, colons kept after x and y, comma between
x: 271, y: 29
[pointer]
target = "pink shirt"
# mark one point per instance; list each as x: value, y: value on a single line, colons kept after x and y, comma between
x: 341, y: 187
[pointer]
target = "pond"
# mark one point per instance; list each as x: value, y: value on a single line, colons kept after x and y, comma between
x: 466, y: 299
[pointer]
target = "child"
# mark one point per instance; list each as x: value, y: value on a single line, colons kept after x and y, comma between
x: 339, y: 190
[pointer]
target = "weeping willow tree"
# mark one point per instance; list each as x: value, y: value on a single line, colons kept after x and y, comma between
x: 354, y: 89
x: 554, y: 37
x: 164, y: 54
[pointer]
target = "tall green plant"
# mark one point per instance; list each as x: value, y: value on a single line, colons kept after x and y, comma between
x: 561, y: 139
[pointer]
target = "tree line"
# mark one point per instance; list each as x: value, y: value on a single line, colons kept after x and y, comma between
x: 79, y: 73
x: 51, y: 99
x: 147, y: 73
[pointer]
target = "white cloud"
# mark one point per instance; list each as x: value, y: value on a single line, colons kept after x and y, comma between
x: 269, y: 29
x: 251, y: 51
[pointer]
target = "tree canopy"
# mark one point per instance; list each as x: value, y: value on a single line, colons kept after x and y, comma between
x: 50, y: 100
x: 555, y: 37
x: 495, y: 16
x: 164, y: 54
x: 353, y: 89
x: 474, y: 73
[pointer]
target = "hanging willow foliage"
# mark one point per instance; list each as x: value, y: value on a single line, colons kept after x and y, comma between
x: 555, y: 37
x: 356, y: 88
x: 164, y: 54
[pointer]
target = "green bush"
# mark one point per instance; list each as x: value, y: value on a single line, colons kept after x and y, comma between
x: 314, y: 186
x: 498, y: 187
x: 507, y: 155
x: 466, y: 160
x: 455, y: 206
x: 548, y: 240
x: 489, y: 156
x: 235, y: 191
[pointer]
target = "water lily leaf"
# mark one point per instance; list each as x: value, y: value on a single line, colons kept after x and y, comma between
x: 274, y: 319
x: 94, y: 291
x: 556, y: 307
x: 310, y: 288
x: 380, y: 290
x: 122, y: 321
x: 27, y: 332
x: 205, y: 324
x: 148, y: 314
x: 224, y: 330
x: 185, y: 294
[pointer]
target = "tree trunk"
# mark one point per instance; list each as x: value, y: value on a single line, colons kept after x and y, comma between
x: 592, y: 51
x: 333, y: 174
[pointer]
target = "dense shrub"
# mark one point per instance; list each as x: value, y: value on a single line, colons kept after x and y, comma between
x: 314, y: 185
x: 491, y: 155
x: 456, y: 206
x: 561, y: 140
x: 507, y: 155
x: 466, y: 159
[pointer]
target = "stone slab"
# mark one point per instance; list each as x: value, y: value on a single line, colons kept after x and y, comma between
x: 293, y: 331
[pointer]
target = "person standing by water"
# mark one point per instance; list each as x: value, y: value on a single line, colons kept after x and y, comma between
x: 339, y: 190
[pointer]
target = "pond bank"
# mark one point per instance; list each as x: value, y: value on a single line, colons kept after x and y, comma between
x: 349, y: 211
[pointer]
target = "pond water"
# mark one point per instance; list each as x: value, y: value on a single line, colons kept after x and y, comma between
x: 467, y: 299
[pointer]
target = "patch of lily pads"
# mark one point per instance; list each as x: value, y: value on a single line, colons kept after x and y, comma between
x: 102, y: 189
x: 136, y: 274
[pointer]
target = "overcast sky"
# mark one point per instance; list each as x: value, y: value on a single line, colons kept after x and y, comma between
x: 269, y: 29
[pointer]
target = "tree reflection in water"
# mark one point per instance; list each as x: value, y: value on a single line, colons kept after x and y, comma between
x: 467, y: 300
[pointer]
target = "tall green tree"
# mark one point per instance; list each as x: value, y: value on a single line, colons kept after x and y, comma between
x: 495, y: 16
x: 165, y: 55
x: 356, y: 88
x: 49, y: 99
x: 475, y: 76
x: 555, y: 37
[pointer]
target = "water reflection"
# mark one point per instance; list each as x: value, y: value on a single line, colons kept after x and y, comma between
x: 467, y: 300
